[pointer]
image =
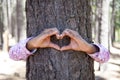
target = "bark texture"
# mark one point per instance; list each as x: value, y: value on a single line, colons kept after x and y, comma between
x: 51, y: 64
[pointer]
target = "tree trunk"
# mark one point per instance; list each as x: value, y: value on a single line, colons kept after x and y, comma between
x: 1, y: 23
x: 112, y: 28
x: 5, y: 24
x: 20, y: 20
x: 98, y: 20
x: 104, y: 36
x: 51, y: 64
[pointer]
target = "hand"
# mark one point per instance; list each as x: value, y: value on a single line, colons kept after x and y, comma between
x: 77, y: 42
x: 43, y: 40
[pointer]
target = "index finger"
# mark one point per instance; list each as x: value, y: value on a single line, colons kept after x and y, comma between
x: 72, y: 34
x: 49, y: 32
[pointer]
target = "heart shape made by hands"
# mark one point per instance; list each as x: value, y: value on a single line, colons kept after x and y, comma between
x: 60, y: 42
x: 69, y: 39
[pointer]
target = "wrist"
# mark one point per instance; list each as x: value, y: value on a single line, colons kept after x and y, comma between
x: 30, y: 45
x: 92, y: 49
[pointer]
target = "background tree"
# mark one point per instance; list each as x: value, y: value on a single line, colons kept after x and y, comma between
x: 18, y: 20
x: 21, y: 21
x: 12, y: 22
x: 113, y: 21
x: 101, y: 20
x: 4, y: 24
x: 97, y: 19
x: 1, y: 23
x: 101, y: 9
x: 104, y: 36
x: 115, y: 25
x: 50, y: 64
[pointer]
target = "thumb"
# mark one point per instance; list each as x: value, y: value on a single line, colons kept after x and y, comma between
x: 52, y: 45
x: 66, y: 48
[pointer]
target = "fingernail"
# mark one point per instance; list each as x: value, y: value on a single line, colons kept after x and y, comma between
x: 58, y: 37
x: 61, y: 36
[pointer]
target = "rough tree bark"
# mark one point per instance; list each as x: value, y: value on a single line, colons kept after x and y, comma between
x: 51, y: 64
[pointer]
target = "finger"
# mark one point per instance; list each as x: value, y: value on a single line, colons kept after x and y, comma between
x: 75, y: 35
x: 52, y: 45
x: 72, y: 34
x: 49, y: 32
x: 66, y: 48
x: 49, y: 29
x: 53, y: 31
x: 65, y: 33
x: 61, y: 36
x: 57, y: 36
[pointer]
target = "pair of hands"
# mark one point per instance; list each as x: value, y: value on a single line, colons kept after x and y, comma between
x: 77, y: 42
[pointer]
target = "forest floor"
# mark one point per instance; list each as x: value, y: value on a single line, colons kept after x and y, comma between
x: 15, y: 70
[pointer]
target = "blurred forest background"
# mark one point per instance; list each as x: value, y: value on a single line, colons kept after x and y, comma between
x: 105, y: 18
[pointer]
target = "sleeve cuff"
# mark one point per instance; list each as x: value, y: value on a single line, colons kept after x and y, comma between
x: 33, y: 51
x: 101, y: 56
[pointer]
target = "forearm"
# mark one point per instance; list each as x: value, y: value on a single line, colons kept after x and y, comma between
x: 92, y: 49
x: 30, y: 45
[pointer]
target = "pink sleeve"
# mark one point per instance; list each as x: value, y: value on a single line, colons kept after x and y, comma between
x: 102, y: 56
x: 19, y: 51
